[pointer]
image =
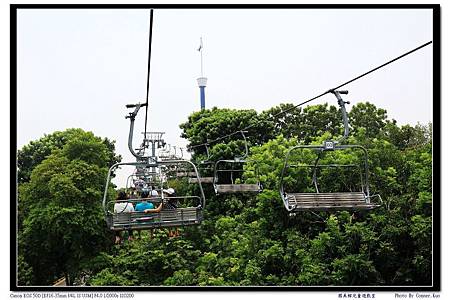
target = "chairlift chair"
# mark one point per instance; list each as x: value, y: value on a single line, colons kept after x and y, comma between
x: 234, y: 168
x: 189, y: 212
x: 175, y: 171
x: 147, y: 175
x: 164, y: 153
x: 205, y: 169
x: 297, y: 199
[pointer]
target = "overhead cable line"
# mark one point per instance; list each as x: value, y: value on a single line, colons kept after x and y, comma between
x: 148, y: 70
x: 316, y: 97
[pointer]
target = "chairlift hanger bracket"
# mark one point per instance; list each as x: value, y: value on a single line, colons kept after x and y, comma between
x: 132, y: 115
x: 341, y: 104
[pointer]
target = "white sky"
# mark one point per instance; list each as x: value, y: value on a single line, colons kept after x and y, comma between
x: 78, y: 68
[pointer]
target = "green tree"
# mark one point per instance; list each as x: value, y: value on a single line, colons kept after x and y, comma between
x: 35, y: 152
x: 63, y: 223
x: 210, y: 124
x: 367, y: 115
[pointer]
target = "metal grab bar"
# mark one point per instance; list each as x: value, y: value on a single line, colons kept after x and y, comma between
x: 156, y: 200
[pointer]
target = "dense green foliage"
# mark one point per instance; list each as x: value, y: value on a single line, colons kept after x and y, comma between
x: 35, y: 152
x: 251, y: 239
x: 60, y: 216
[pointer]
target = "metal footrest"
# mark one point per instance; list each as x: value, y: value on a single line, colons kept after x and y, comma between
x: 237, y: 188
x: 329, y: 201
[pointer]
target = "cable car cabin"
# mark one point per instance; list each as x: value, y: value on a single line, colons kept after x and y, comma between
x: 339, y: 183
x: 178, y: 210
x: 227, y: 176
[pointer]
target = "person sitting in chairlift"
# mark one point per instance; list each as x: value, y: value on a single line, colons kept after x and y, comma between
x: 154, y: 193
x: 145, y: 206
x: 140, y: 184
x: 123, y: 207
x: 171, y: 204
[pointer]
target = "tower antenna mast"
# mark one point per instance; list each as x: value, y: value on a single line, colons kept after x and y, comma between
x: 201, y: 80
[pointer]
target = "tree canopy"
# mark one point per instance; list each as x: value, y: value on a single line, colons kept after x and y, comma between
x: 35, y: 152
x: 60, y: 215
x: 248, y: 239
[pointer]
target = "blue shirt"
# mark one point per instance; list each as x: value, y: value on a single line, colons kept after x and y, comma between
x: 141, y: 206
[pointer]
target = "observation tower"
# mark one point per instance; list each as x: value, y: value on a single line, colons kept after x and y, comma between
x: 202, y: 79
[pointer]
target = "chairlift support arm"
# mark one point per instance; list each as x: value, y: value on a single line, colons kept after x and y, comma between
x: 132, y: 117
x: 207, y: 154
x: 341, y: 104
x: 245, y: 144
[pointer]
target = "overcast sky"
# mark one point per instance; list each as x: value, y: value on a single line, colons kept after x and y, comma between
x: 78, y: 68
